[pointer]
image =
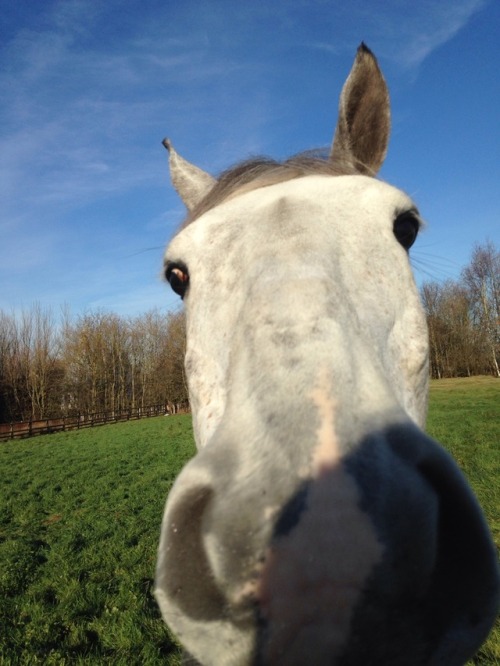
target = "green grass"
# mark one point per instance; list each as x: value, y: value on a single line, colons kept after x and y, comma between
x: 464, y: 415
x: 79, y: 527
x: 80, y: 514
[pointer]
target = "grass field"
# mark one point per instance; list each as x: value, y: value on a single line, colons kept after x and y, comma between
x: 79, y: 524
x: 79, y: 527
x: 464, y: 415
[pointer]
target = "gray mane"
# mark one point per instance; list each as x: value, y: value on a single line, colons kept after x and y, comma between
x: 262, y: 171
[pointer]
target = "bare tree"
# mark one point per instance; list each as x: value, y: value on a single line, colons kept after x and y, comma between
x: 482, y: 278
x: 6, y: 397
x: 96, y: 358
x: 41, y: 352
x: 30, y: 364
x: 451, y: 333
x: 173, y: 361
x: 431, y: 299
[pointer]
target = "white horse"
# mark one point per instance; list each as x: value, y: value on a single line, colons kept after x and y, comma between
x: 317, y: 523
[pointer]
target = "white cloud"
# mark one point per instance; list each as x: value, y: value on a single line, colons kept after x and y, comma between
x: 434, y: 25
x: 405, y: 32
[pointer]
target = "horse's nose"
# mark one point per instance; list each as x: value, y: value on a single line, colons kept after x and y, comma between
x: 268, y: 554
x: 271, y: 567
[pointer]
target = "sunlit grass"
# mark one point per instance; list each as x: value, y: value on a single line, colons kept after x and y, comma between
x: 79, y: 527
x: 464, y: 416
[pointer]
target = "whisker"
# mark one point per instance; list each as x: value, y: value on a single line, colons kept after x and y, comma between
x: 434, y: 266
x: 146, y: 249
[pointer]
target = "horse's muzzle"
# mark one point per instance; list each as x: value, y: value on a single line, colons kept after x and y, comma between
x: 382, y: 557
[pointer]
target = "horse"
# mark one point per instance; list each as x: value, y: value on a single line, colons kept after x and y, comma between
x: 317, y: 522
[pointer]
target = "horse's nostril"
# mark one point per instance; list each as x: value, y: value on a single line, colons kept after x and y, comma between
x: 183, y: 558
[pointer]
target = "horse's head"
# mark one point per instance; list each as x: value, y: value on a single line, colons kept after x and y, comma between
x: 317, y: 524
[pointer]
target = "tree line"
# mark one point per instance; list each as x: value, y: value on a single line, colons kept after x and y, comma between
x: 101, y: 362
x: 463, y: 318
x: 96, y: 362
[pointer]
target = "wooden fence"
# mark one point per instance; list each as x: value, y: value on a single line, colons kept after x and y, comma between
x: 44, y: 426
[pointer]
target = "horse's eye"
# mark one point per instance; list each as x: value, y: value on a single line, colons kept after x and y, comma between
x: 178, y: 278
x: 406, y: 228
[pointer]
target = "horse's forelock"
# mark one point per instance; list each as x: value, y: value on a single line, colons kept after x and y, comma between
x: 260, y: 172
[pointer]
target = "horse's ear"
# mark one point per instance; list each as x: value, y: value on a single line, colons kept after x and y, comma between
x: 191, y: 183
x: 362, y: 132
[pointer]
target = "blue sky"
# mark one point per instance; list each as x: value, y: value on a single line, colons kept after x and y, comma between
x: 89, y: 90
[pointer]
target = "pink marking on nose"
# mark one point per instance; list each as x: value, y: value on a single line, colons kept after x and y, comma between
x: 314, y: 575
